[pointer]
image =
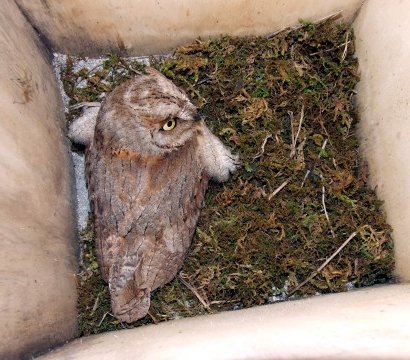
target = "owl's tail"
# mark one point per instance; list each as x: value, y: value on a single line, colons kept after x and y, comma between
x: 130, y: 298
x: 130, y: 304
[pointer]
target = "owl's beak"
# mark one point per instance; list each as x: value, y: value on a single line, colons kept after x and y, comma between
x: 197, y: 117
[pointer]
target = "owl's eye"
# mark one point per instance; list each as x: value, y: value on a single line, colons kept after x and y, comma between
x: 169, y: 125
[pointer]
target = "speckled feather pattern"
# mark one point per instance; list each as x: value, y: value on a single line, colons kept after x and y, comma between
x: 147, y: 186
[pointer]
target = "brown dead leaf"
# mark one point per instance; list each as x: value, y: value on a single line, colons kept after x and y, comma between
x: 255, y: 110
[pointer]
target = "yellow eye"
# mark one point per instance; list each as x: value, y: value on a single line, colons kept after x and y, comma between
x: 169, y: 125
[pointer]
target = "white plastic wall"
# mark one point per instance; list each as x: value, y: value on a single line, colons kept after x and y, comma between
x: 37, y: 242
x: 37, y: 267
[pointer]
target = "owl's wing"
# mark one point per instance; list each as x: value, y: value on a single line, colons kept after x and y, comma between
x: 130, y: 300
x: 145, y: 213
x: 116, y: 186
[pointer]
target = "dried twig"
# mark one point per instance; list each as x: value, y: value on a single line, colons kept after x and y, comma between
x: 295, y: 137
x: 278, y: 189
x: 129, y: 67
x: 334, y: 16
x: 323, y: 146
x: 304, y: 179
x: 153, y: 317
x: 345, y: 49
x: 321, y: 267
x: 195, y: 292
x: 88, y: 73
x: 84, y: 104
x: 216, y: 302
x: 323, y: 192
x: 332, y: 49
x: 260, y: 153
x: 326, y: 214
x: 102, y: 319
x: 204, y: 80
x: 97, y: 300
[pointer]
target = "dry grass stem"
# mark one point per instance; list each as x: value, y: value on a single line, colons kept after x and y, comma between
x: 304, y: 179
x: 295, y: 137
x: 262, y: 151
x: 326, y: 214
x: 345, y: 49
x: 217, y: 302
x: 97, y: 300
x: 86, y: 75
x: 194, y: 291
x: 323, y: 196
x: 323, y: 145
x: 102, y: 319
x: 84, y: 104
x: 321, y: 267
x: 334, y: 16
x: 333, y: 49
x: 130, y: 68
x: 278, y: 189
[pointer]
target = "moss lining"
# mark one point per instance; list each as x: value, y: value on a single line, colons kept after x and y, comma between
x: 285, y: 105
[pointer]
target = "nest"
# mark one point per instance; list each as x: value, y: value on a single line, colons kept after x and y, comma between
x: 298, y: 218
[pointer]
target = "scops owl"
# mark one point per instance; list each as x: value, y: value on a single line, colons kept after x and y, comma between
x: 149, y: 158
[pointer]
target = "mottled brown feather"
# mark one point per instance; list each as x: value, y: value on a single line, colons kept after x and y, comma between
x: 146, y: 187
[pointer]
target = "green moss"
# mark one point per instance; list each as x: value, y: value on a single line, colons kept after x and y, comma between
x: 253, y: 241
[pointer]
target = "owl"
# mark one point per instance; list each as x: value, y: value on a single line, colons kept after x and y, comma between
x: 149, y: 159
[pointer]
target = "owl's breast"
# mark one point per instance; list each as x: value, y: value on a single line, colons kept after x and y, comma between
x: 152, y: 203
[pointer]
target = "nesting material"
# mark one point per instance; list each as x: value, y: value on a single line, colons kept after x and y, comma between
x: 298, y: 218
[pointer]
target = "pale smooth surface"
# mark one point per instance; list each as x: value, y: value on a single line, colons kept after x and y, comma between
x: 365, y: 324
x: 37, y: 284
x: 383, y: 48
x: 37, y: 266
x: 143, y: 27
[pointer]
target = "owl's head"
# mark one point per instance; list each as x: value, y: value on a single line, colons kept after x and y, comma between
x: 148, y: 115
